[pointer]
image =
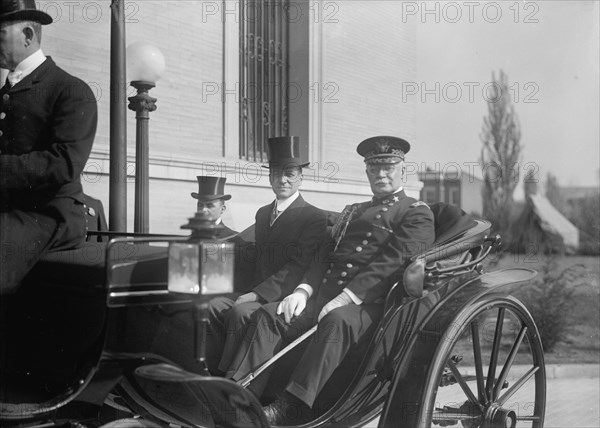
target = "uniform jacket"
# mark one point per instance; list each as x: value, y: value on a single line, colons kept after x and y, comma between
x: 381, y: 236
x: 286, y: 250
x: 46, y: 133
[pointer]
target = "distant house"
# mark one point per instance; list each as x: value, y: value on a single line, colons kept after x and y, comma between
x: 454, y: 187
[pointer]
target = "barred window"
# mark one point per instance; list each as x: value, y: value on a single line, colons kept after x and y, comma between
x: 264, y: 35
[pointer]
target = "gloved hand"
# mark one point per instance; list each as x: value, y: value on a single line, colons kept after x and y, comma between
x: 340, y: 300
x: 292, y: 305
x: 245, y: 298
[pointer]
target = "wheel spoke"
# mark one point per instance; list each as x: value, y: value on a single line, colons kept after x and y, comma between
x: 509, y: 361
x: 478, y: 362
x: 489, y: 386
x: 463, y: 384
x: 517, y: 385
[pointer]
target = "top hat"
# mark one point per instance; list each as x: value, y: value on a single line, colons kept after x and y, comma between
x: 383, y: 149
x: 23, y: 10
x: 284, y: 152
x: 210, y: 189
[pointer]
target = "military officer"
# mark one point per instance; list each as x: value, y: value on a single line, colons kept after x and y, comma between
x: 371, y: 243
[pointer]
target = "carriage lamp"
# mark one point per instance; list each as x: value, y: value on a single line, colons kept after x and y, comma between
x: 201, y: 266
x: 145, y: 66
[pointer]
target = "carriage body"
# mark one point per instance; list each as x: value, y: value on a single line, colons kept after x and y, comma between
x: 114, y: 340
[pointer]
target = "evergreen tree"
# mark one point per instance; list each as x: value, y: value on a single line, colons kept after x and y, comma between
x: 501, y: 136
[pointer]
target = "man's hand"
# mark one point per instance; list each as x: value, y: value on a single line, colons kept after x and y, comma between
x: 340, y: 300
x: 246, y: 298
x: 292, y: 305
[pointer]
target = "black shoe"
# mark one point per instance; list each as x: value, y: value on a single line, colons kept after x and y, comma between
x: 287, y: 410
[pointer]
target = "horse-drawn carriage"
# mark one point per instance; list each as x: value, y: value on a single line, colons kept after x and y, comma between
x: 94, y: 337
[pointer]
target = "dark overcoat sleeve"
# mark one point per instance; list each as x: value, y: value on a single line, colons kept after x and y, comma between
x: 63, y: 110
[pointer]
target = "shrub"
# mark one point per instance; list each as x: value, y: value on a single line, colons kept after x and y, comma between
x: 550, y: 300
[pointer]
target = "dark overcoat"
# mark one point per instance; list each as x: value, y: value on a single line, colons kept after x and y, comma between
x: 47, y: 127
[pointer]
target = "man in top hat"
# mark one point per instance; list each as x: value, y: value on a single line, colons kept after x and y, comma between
x: 370, y: 245
x: 287, y: 234
x: 211, y: 202
x: 47, y: 127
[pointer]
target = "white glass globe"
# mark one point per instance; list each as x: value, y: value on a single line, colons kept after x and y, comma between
x: 144, y: 62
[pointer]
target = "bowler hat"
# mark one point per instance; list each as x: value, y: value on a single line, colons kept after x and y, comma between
x: 286, y: 152
x: 210, y: 189
x: 383, y: 149
x: 23, y: 10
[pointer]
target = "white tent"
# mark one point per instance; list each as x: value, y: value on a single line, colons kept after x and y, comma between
x: 552, y: 221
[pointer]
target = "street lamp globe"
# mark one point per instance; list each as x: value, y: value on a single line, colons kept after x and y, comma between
x: 145, y: 62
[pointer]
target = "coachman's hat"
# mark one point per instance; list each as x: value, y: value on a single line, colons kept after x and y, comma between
x: 286, y: 152
x: 23, y: 10
x: 383, y: 149
x: 210, y: 189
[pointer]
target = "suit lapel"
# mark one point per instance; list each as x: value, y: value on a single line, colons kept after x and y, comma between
x: 291, y: 212
x: 34, y: 78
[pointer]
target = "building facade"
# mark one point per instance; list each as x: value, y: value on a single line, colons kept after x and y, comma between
x: 238, y: 72
x: 453, y: 187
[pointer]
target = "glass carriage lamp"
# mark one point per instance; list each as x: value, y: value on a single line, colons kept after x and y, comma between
x: 145, y: 66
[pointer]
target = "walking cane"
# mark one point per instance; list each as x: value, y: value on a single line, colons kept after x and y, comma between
x: 249, y: 377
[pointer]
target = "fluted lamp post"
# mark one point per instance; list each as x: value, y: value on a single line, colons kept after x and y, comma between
x: 145, y: 66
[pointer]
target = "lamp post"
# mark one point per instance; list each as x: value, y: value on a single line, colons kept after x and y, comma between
x: 145, y: 65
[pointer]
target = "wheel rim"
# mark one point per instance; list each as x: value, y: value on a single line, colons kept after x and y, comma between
x: 488, y: 371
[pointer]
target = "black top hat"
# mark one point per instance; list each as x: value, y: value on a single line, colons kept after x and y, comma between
x: 210, y: 189
x: 284, y: 152
x: 383, y: 149
x: 23, y: 10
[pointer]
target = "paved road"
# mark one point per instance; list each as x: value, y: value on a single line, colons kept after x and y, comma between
x: 573, y: 397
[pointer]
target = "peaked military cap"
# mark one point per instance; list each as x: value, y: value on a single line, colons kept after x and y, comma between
x: 286, y: 152
x: 23, y: 10
x: 383, y: 149
x: 210, y: 189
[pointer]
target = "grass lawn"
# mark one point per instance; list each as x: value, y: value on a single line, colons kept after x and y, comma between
x: 582, y: 339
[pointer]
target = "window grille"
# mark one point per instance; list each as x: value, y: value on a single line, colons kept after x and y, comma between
x: 264, y: 35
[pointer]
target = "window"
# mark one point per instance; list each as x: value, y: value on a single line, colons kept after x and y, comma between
x: 264, y: 35
x: 454, y: 198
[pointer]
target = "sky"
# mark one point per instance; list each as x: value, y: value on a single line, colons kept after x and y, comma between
x: 550, y: 53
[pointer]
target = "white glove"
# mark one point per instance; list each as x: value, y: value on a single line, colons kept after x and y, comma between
x: 292, y: 305
x: 245, y: 298
x: 340, y: 300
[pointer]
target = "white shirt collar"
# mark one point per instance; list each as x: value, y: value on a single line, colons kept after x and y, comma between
x: 26, y: 67
x: 283, y: 204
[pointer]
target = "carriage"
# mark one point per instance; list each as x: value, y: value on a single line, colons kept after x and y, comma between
x: 95, y: 337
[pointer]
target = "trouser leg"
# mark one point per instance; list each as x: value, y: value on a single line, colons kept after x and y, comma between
x: 24, y: 238
x: 236, y: 322
x: 266, y: 334
x: 338, y: 332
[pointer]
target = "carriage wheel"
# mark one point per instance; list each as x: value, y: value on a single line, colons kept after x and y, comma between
x: 488, y: 370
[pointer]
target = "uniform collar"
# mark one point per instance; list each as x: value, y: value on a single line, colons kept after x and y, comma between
x: 388, y: 198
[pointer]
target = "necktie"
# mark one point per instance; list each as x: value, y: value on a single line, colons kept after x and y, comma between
x: 274, y: 215
x: 13, y: 78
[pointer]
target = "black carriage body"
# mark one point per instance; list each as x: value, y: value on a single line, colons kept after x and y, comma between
x: 129, y: 320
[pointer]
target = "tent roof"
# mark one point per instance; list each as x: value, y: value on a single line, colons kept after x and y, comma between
x: 552, y: 221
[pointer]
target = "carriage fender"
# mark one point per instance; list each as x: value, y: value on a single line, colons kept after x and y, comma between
x: 453, y: 298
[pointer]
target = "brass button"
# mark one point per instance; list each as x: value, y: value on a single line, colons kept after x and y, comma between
x: 5, y: 97
x: 1, y: 133
x: 349, y: 265
x: 384, y: 209
x: 385, y: 201
x: 344, y: 274
x: 365, y: 242
x: 358, y: 249
x: 340, y: 282
x: 328, y: 271
x: 2, y: 115
x: 369, y: 234
x: 324, y: 280
x: 378, y: 216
